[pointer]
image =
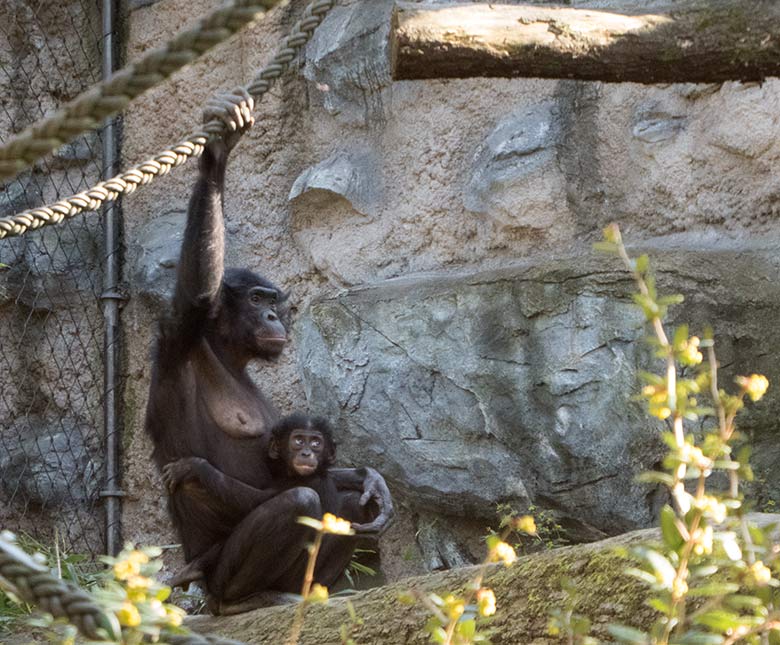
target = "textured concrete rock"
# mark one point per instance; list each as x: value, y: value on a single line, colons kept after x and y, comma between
x: 156, y: 256
x: 348, y: 62
x: 514, y: 178
x: 715, y: 175
x: 515, y: 385
x: 48, y: 463
x: 355, y: 176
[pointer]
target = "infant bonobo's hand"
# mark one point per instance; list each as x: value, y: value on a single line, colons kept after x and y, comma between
x: 178, y: 471
x: 234, y: 109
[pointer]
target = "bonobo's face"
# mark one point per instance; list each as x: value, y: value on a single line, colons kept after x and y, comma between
x: 269, y: 334
x: 304, y: 452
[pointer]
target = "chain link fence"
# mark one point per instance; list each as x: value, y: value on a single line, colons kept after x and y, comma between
x: 52, y: 451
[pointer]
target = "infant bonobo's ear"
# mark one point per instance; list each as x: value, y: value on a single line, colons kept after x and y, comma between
x: 273, y: 449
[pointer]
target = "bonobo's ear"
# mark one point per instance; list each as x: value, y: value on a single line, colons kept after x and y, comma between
x: 273, y: 449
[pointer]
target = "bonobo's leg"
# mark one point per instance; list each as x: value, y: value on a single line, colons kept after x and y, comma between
x: 195, y: 569
x: 265, y: 549
x: 336, y: 551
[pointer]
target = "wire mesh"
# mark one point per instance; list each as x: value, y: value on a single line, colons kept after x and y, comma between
x: 51, y: 325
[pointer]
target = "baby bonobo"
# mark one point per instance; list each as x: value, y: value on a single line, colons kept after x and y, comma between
x: 300, y: 451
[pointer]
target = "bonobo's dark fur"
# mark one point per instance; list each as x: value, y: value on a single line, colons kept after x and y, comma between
x: 205, y: 414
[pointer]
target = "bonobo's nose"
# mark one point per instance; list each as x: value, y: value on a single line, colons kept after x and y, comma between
x: 270, y: 316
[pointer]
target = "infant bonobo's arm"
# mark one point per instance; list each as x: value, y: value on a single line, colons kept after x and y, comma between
x: 236, y: 496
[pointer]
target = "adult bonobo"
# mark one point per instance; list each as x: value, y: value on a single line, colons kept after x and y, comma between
x: 203, y: 404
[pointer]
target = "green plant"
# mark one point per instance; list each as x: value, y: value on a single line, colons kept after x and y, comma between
x: 460, y: 618
x: 356, y: 568
x: 74, y: 567
x: 311, y: 591
x: 714, y: 576
x: 548, y: 535
x: 127, y: 595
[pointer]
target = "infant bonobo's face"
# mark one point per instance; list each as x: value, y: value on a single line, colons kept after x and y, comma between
x: 304, y: 452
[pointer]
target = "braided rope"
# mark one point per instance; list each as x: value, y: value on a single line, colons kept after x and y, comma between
x: 31, y: 582
x: 145, y: 172
x: 88, y: 110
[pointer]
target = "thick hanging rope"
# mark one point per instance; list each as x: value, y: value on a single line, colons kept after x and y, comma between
x: 31, y: 582
x: 90, y: 108
x: 176, y: 155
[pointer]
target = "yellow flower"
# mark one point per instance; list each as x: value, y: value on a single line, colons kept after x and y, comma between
x: 612, y: 234
x: 486, y: 602
x: 173, y: 615
x: 139, y: 557
x: 125, y: 569
x: 502, y: 552
x: 703, y: 541
x: 454, y: 607
x: 689, y: 352
x: 336, y: 525
x: 526, y: 524
x: 714, y: 509
x: 128, y: 615
x: 318, y: 593
x: 679, y: 588
x: 138, y: 582
x: 755, y: 385
x: 759, y: 574
x: 157, y: 608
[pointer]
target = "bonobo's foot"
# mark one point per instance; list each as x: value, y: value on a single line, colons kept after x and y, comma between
x: 255, y: 601
x: 191, y: 572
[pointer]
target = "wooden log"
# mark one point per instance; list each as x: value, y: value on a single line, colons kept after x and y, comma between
x: 700, y: 41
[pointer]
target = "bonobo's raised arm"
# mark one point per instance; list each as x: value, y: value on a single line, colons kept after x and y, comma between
x: 369, y: 482
x: 201, y: 264
x: 235, y: 496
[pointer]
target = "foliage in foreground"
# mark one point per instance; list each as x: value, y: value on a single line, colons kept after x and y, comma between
x: 714, y: 577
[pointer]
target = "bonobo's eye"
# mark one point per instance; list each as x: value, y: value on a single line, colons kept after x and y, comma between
x: 298, y: 442
x: 316, y: 443
x: 258, y: 295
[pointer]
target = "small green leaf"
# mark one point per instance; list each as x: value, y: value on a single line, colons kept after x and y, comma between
x: 739, y: 601
x: 628, y: 634
x: 644, y: 576
x: 714, y: 589
x: 467, y: 628
x: 605, y: 247
x: 720, y: 620
x: 680, y: 336
x: 653, y: 477
x: 673, y: 299
x: 642, y: 263
x: 671, y: 534
x: 660, y: 605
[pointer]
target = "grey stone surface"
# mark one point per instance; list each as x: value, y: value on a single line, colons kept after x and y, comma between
x: 355, y: 176
x: 654, y: 126
x: 48, y: 463
x: 521, y: 150
x: 348, y: 61
x: 515, y: 386
x: 156, y: 255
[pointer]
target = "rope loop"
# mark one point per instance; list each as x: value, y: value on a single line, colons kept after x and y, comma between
x: 145, y: 172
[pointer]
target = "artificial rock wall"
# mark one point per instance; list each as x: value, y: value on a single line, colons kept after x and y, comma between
x: 449, y: 314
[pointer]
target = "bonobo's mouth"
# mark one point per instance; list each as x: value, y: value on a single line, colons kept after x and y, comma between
x: 273, y: 340
x: 304, y: 470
